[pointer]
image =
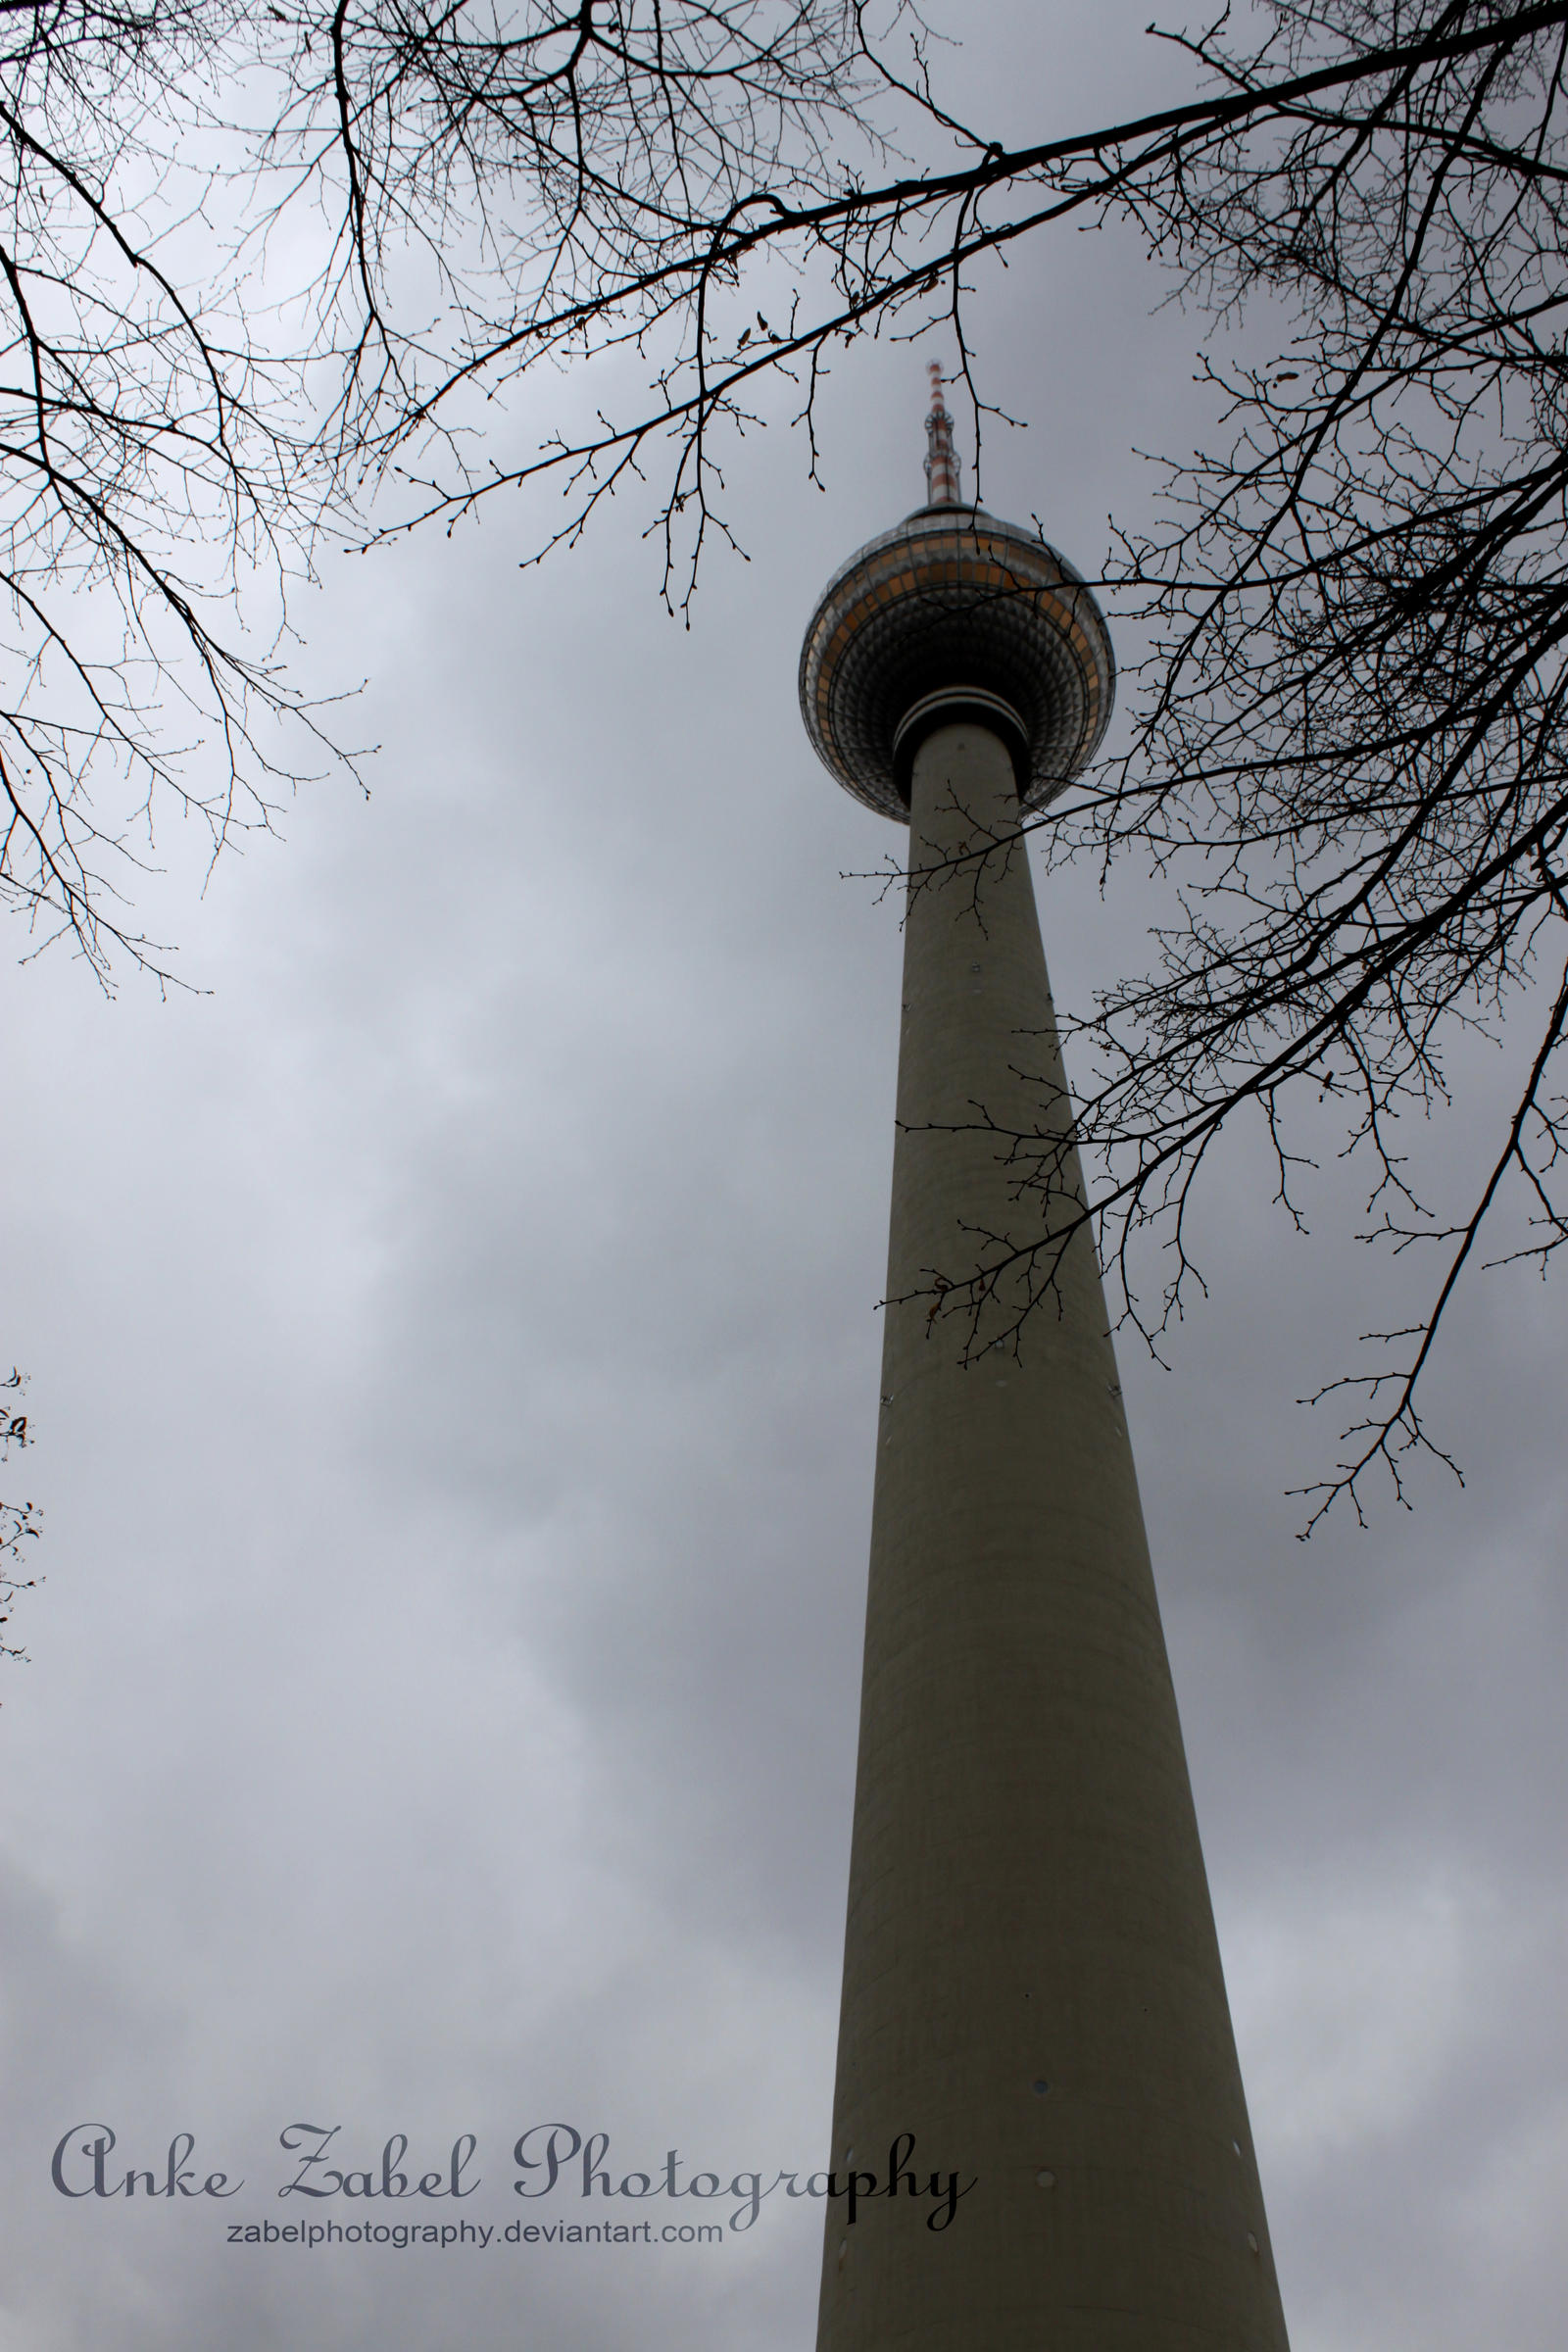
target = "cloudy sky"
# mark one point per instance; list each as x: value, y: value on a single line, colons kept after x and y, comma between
x: 453, y: 1354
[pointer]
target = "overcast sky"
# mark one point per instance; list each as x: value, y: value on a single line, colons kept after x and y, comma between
x: 454, y: 1368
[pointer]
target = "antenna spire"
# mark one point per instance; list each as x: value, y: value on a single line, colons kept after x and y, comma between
x: 941, y: 460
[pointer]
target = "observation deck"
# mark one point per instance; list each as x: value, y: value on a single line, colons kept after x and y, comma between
x: 954, y: 614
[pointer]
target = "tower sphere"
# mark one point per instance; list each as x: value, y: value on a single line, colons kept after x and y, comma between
x: 953, y: 614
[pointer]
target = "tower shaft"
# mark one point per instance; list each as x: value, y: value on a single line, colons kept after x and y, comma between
x: 1027, y: 1903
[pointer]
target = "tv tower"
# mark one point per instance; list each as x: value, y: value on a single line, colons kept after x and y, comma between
x: 1032, y: 1982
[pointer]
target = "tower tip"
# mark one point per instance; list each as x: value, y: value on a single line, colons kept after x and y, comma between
x: 941, y: 460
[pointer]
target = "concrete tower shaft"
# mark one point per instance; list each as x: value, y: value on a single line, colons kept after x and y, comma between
x: 1032, y: 1983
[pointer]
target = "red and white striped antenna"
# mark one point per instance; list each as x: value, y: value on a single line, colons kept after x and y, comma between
x: 941, y: 460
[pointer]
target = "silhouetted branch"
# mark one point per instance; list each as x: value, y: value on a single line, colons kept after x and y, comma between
x: 21, y: 1523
